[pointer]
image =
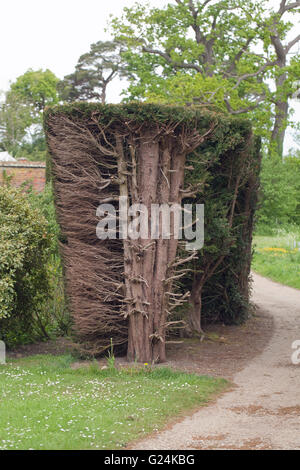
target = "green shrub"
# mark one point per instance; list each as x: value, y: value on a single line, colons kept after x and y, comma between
x: 44, y: 203
x: 56, y: 317
x: 280, y: 194
x: 25, y: 247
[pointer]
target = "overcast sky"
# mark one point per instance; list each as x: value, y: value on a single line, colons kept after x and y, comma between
x: 53, y: 34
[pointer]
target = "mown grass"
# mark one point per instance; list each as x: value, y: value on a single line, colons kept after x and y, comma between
x: 45, y: 404
x: 277, y: 258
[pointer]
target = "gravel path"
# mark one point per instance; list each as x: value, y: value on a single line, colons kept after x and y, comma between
x: 263, y: 410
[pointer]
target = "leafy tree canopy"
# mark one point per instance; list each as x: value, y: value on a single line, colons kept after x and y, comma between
x: 21, y: 130
x: 36, y: 88
x: 224, y: 52
x: 93, y: 72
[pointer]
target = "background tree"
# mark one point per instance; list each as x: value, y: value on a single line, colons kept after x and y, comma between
x: 21, y: 130
x: 220, y: 53
x: 37, y: 88
x: 14, y: 119
x: 280, y: 193
x: 93, y: 73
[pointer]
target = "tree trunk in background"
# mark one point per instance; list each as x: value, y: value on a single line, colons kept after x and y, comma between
x: 196, y: 309
x: 281, y: 103
x: 279, y: 128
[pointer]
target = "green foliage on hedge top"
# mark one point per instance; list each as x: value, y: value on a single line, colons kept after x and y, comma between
x: 192, y: 117
x: 229, y: 131
x: 24, y: 249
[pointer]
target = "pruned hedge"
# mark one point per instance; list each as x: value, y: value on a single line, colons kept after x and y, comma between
x: 221, y: 159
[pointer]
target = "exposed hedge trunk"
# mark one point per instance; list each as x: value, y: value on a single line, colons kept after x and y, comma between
x: 153, y: 176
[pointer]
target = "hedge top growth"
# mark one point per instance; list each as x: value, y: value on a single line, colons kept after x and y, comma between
x: 133, y: 290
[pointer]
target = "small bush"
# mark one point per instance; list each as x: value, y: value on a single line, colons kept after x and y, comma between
x: 25, y: 247
x: 56, y: 317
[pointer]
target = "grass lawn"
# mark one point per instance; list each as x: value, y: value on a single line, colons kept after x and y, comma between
x: 276, y: 258
x: 45, y: 404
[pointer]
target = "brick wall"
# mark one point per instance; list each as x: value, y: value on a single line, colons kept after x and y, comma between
x: 25, y: 171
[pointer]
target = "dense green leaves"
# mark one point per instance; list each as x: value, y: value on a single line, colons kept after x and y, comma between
x: 36, y: 88
x: 24, y: 250
x: 280, y: 192
x: 21, y: 131
x: 139, y: 112
x: 15, y: 118
x: 225, y: 53
x: 223, y: 264
x: 209, y: 41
